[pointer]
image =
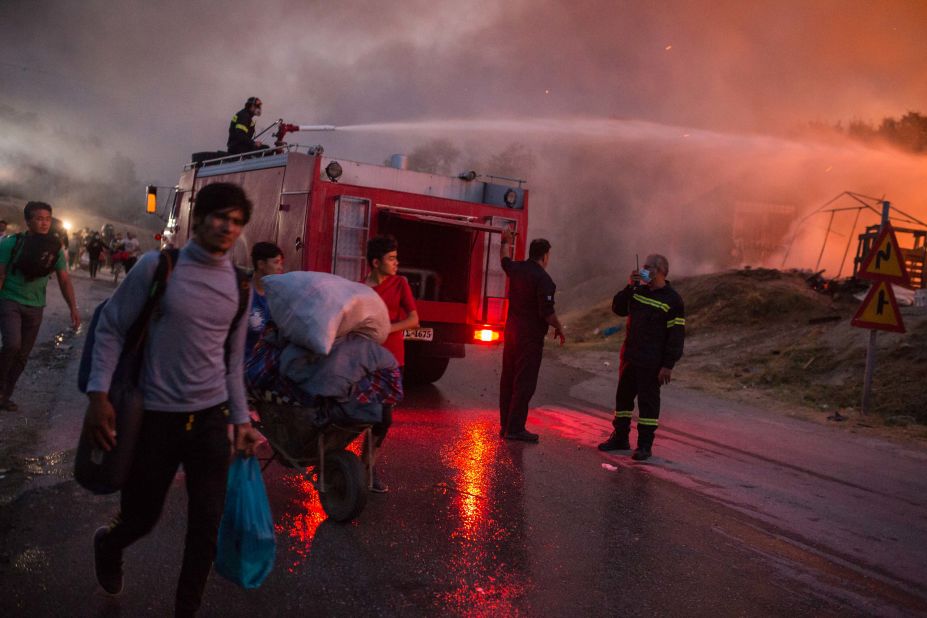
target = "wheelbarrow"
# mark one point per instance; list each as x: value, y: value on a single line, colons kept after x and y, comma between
x: 298, y: 441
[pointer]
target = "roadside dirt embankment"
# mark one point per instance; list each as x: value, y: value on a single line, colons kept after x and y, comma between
x: 765, y: 333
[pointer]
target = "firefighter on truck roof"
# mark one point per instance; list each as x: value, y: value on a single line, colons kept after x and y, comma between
x: 241, y: 128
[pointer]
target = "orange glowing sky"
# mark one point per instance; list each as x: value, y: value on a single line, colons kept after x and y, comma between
x: 154, y: 82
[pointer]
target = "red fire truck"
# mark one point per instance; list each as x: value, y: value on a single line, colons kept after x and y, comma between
x: 321, y: 210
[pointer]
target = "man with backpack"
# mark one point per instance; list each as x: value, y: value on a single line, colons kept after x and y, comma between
x: 27, y: 260
x: 192, y: 385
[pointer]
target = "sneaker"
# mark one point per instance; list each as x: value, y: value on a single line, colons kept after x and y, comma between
x: 641, y: 454
x: 615, y: 443
x: 378, y: 486
x: 108, y: 567
x: 9, y: 406
x: 523, y: 436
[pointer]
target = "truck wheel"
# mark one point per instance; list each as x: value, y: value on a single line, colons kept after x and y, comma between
x: 424, y: 369
x: 345, y: 494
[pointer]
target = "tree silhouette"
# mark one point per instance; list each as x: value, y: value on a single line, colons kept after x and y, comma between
x: 908, y: 133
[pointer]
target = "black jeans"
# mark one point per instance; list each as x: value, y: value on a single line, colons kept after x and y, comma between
x: 521, y: 362
x: 19, y: 327
x: 94, y: 266
x: 200, y: 442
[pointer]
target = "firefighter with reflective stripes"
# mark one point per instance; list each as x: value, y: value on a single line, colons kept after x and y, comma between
x: 654, y: 337
x: 241, y: 128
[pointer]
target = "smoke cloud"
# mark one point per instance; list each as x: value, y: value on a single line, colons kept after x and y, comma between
x: 647, y: 126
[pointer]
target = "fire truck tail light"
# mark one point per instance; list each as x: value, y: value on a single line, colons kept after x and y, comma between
x: 486, y: 335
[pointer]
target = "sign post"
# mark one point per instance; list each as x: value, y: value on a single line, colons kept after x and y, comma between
x: 884, y: 265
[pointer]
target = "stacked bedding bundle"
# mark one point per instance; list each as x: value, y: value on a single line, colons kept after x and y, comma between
x: 325, y: 346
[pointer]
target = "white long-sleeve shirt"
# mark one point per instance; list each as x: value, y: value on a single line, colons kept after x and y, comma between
x: 184, y: 366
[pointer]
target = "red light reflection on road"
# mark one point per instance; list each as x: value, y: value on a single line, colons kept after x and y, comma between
x: 300, y: 522
x: 485, y: 584
x: 474, y: 458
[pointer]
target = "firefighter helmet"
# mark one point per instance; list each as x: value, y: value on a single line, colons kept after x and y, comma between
x: 253, y: 101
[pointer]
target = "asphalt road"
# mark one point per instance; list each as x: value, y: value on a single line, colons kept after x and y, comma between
x: 739, y: 513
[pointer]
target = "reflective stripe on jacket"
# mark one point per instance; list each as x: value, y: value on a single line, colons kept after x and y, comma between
x: 241, y: 132
x: 656, y: 329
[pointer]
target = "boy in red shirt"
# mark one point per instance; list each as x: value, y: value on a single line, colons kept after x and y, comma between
x: 382, y: 257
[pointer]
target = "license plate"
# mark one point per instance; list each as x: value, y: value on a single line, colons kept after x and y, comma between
x: 420, y: 334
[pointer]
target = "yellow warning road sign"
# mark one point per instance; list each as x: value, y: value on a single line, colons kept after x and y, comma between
x: 879, y: 310
x: 884, y: 262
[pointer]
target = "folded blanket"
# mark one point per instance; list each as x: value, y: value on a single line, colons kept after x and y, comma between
x: 358, y: 370
x: 337, y: 374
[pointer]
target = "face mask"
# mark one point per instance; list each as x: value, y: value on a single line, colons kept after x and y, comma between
x: 257, y: 111
x: 645, y: 275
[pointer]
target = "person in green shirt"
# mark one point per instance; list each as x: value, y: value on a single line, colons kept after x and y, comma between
x: 22, y: 301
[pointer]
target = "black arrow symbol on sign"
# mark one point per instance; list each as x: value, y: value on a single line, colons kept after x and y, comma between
x: 883, y: 255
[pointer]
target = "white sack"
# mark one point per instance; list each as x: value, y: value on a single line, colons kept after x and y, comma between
x: 313, y: 309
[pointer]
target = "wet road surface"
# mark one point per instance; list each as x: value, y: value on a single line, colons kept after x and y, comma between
x: 738, y: 514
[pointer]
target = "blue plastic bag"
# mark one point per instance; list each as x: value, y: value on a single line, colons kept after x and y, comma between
x: 247, y: 546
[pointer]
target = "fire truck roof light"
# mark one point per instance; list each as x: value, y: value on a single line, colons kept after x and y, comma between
x: 510, y: 198
x: 333, y: 171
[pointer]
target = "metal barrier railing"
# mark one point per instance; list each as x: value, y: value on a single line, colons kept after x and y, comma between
x: 256, y: 154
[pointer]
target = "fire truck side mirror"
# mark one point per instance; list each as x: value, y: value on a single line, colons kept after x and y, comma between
x: 151, y: 206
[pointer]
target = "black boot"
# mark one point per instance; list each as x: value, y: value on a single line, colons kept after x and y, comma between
x: 616, y: 442
x: 645, y: 435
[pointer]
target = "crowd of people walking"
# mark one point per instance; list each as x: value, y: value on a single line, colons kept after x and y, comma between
x: 94, y: 249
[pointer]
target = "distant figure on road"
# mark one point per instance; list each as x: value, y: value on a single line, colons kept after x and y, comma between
x: 74, y: 249
x: 132, y: 249
x: 95, y: 249
x: 654, y: 338
x: 383, y: 259
x: 531, y: 313
x: 193, y: 388
x: 27, y: 260
x: 241, y: 128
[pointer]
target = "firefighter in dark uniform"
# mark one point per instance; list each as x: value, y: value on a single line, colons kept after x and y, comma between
x: 531, y: 313
x: 655, y: 333
x: 241, y: 128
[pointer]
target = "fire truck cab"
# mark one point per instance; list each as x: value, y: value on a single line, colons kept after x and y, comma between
x: 321, y: 211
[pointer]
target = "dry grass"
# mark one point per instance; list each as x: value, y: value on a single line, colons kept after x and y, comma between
x: 755, y: 329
